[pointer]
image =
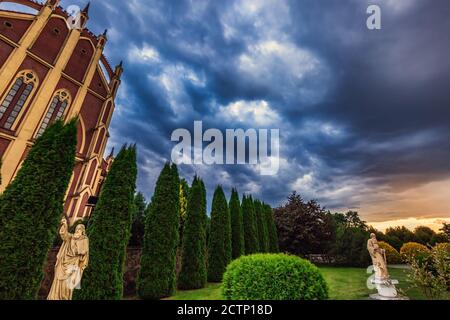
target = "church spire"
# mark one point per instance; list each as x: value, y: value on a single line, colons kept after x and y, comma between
x: 86, y: 8
x: 84, y: 15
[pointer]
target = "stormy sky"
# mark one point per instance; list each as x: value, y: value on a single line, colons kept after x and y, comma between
x: 364, y: 116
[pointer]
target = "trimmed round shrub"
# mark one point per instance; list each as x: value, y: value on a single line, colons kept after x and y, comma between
x: 392, y: 255
x: 414, y: 250
x: 273, y: 277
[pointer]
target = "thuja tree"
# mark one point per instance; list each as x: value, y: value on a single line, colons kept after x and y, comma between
x: 184, y: 191
x: 193, y: 273
x: 250, y: 235
x: 207, y: 219
x: 255, y: 222
x: 237, y: 230
x: 31, y: 209
x: 271, y: 229
x: 157, y: 276
x: 263, y: 237
x: 109, y: 231
x: 219, y: 248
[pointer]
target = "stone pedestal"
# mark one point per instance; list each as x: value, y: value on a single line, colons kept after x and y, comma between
x: 386, y: 290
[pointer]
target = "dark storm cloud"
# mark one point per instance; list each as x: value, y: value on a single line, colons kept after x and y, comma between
x: 360, y: 112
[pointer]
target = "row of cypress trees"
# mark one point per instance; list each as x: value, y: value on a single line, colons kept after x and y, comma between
x: 176, y: 222
x: 237, y: 230
x: 259, y: 226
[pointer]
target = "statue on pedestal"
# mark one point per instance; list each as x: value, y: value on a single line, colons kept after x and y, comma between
x: 72, y: 259
x: 383, y: 282
x: 378, y: 256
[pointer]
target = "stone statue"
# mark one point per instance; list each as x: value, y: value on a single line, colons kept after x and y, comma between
x: 382, y: 281
x: 72, y: 259
x: 378, y: 256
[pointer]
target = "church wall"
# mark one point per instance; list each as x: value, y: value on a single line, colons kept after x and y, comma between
x: 90, y: 111
x: 4, y: 143
x: 61, y: 59
x: 79, y: 61
x: 98, y: 85
x: 5, y: 51
x: 14, y: 28
x: 51, y: 40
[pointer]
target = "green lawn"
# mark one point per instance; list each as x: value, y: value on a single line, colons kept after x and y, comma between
x: 350, y: 283
x: 211, y: 292
x: 344, y: 284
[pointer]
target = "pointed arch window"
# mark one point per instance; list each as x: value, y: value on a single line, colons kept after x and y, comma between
x: 17, y: 97
x: 58, y: 105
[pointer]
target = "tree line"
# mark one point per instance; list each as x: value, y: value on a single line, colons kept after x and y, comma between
x: 305, y: 228
x: 176, y: 225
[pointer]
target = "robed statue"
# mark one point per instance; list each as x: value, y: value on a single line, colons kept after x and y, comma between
x: 72, y: 259
x: 378, y: 256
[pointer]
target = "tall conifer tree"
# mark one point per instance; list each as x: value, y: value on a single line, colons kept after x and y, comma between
x: 109, y: 231
x: 219, y: 248
x: 31, y: 209
x: 271, y: 228
x: 184, y: 195
x: 237, y: 229
x: 193, y: 273
x: 207, y: 219
x: 250, y: 235
x: 157, y: 276
x: 261, y: 224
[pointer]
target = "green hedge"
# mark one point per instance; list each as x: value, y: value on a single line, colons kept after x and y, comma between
x: 273, y: 277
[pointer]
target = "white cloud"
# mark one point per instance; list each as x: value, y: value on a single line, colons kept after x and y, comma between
x: 251, y: 188
x: 172, y: 78
x: 256, y: 112
x: 267, y: 18
x: 265, y: 58
x: 145, y: 54
x: 399, y: 6
x: 304, y: 182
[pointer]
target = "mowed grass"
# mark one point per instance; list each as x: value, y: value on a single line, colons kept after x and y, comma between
x: 211, y: 292
x: 351, y: 283
x: 343, y: 283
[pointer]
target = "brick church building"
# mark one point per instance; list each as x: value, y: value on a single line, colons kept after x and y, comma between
x: 52, y: 67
